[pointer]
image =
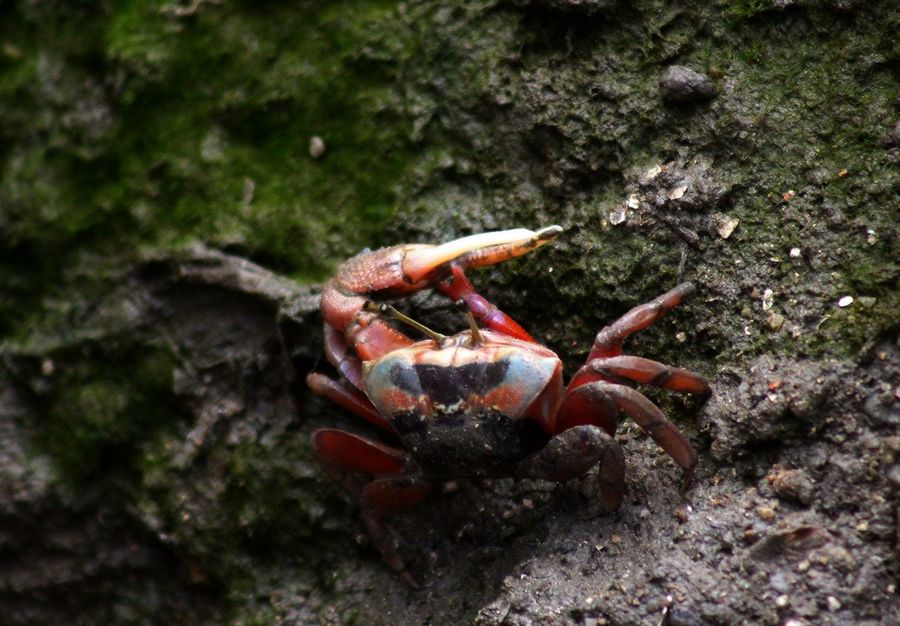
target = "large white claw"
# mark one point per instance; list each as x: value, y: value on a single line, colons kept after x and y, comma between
x: 476, y: 250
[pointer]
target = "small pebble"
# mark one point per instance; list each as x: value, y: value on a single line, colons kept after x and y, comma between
x: 652, y: 173
x: 768, y: 298
x: 893, y: 476
x: 765, y: 512
x: 833, y: 603
x: 617, y: 216
x: 775, y: 320
x: 681, y: 336
x: 682, y: 84
x: 683, y: 513
x: 845, y: 301
x: 725, y: 225
x: 676, y: 193
x: 782, y: 601
x: 633, y: 202
x: 791, y: 484
x: 316, y: 146
x: 795, y: 253
x: 248, y: 191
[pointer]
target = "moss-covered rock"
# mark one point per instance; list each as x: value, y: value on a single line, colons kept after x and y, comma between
x: 153, y: 417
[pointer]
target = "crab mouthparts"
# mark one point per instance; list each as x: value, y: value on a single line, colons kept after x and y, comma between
x: 477, y: 250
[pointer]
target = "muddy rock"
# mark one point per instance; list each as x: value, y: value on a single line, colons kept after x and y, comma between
x: 155, y: 463
x: 682, y: 84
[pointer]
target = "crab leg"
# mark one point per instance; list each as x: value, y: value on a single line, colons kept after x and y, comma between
x: 619, y: 369
x: 573, y: 453
x: 384, y: 497
x: 346, y: 452
x: 348, y: 398
x: 609, y: 340
x: 458, y: 287
x: 341, y: 452
x: 339, y: 354
x: 646, y: 414
x: 608, y: 344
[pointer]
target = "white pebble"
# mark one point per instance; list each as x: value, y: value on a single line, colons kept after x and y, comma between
x: 316, y: 146
x: 617, y: 216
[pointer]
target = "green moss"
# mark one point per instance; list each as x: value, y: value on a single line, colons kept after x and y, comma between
x: 103, y: 409
x: 204, y: 135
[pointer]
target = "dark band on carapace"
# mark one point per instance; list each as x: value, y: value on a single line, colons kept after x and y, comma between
x: 448, y: 385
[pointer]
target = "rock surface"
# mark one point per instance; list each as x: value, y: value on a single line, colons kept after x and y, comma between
x: 154, y: 428
x: 682, y: 84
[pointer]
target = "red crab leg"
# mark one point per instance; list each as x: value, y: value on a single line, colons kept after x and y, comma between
x: 578, y: 409
x: 339, y: 354
x: 646, y: 414
x: 608, y: 342
x: 348, y: 398
x: 573, y: 453
x: 346, y: 452
x: 340, y: 452
x: 458, y: 287
x: 618, y: 369
x: 384, y: 497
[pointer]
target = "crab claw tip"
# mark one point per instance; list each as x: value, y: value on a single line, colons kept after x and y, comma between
x: 476, y: 250
x: 549, y: 233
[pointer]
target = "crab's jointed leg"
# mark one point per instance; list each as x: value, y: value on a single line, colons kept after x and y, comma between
x: 623, y: 368
x: 458, y: 287
x: 647, y: 415
x: 609, y: 340
x: 349, y: 398
x: 393, y: 489
x: 383, y: 497
x: 346, y: 452
x: 598, y: 392
x: 575, y: 452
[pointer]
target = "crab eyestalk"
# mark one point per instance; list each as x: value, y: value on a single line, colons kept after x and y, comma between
x: 476, y: 338
x: 477, y: 250
x: 389, y: 312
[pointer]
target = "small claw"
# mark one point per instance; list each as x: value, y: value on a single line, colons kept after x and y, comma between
x: 476, y: 250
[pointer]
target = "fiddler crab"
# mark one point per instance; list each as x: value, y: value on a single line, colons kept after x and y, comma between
x: 487, y: 402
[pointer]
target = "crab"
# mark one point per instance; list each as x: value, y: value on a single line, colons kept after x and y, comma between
x: 487, y: 402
